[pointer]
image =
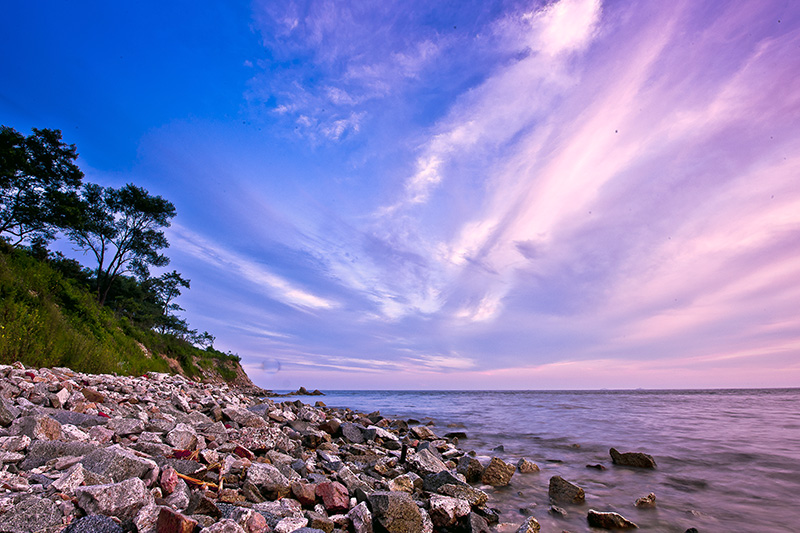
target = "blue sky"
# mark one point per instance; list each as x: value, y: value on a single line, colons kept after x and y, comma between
x: 523, y: 195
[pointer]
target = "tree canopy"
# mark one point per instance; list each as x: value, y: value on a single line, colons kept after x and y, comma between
x: 38, y: 184
x: 122, y: 229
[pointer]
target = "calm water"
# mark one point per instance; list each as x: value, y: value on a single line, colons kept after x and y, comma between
x: 727, y: 460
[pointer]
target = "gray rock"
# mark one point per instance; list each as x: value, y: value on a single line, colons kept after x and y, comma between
x: 31, y: 514
x: 225, y: 525
x: 396, y: 512
x: 37, y: 427
x: 477, y: 524
x: 269, y: 480
x: 125, y: 426
x: 445, y: 511
x: 94, y: 524
x: 39, y: 452
x: 426, y: 463
x: 182, y: 436
x: 433, y: 482
x: 609, y: 520
x: 8, y: 412
x: 634, y: 459
x: 360, y: 518
x: 562, y: 491
x: 118, y: 463
x: 352, y: 432
x: 474, y: 496
x: 122, y: 500
x: 75, y: 418
x: 243, y: 417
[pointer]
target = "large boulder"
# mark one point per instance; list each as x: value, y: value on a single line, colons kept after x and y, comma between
x: 37, y: 427
x: 120, y: 464
x: 562, y: 491
x: 634, y: 459
x: 396, y: 512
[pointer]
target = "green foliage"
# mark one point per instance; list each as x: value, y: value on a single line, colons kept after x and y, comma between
x: 38, y: 183
x: 49, y: 319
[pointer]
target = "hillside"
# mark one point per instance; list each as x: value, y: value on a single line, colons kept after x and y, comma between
x: 50, y: 319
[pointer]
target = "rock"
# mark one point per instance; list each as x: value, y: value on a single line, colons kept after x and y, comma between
x: 200, y: 504
x: 290, y: 524
x: 122, y: 500
x: 477, y: 524
x: 31, y: 514
x: 93, y: 524
x: 305, y: 493
x: 396, y: 512
x: 562, y: 491
x: 470, y: 468
x: 179, y: 499
x: 269, y: 480
x: 557, y: 511
x: 125, y: 426
x: 426, y: 463
x: 171, y: 521
x: 634, y: 459
x: 474, y: 496
x: 224, y: 526
x: 77, y: 476
x: 243, y: 417
x: 169, y: 479
x: 182, y: 437
x: 527, y: 467
x: 334, y: 496
x: 263, y: 438
x: 320, y: 521
x: 648, y: 502
x: 40, y: 452
x: 360, y: 518
x: 36, y: 427
x: 119, y: 463
x: 423, y: 433
x: 498, y: 473
x: 8, y: 412
x: 352, y: 432
x: 530, y: 525
x: 609, y: 520
x: 445, y: 511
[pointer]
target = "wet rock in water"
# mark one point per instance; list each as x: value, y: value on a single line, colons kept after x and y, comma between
x: 396, y: 512
x: 562, y: 491
x: 634, y: 459
x: 609, y: 520
x: 530, y: 525
x: 498, y: 473
x: 692, y: 530
x: 647, y: 502
x: 527, y: 467
x: 470, y: 468
x: 31, y: 514
x: 423, y: 433
x: 557, y: 511
x: 596, y: 466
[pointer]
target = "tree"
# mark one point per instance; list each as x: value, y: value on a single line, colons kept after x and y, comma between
x: 122, y: 228
x: 38, y: 184
x: 166, y: 288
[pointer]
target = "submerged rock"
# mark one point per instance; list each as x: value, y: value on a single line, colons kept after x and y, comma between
x: 562, y: 491
x: 647, y: 502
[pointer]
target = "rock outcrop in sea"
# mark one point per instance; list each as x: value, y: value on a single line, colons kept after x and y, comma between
x: 162, y: 454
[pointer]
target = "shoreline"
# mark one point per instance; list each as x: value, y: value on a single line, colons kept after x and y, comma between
x: 161, y: 453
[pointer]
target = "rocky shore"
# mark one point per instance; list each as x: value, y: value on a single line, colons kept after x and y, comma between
x: 160, y: 453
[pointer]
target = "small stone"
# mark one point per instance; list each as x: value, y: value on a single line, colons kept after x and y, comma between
x: 609, y: 520
x: 527, y: 467
x: 171, y: 521
x: 224, y: 526
x: 92, y: 395
x: 125, y: 426
x: 291, y: 523
x: 423, y: 433
x: 563, y: 491
x: 634, y: 459
x: 182, y: 437
x: 320, y: 521
x: 647, y: 502
x: 557, y: 511
x: 169, y: 479
x: 305, y: 493
x: 498, y: 473
x: 530, y: 525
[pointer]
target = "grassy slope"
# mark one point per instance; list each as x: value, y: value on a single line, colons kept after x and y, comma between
x: 48, y: 320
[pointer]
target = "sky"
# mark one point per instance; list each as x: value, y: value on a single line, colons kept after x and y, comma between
x: 494, y: 194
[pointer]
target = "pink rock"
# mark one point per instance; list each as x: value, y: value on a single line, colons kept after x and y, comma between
x: 334, y: 496
x: 256, y: 523
x: 170, y: 521
x: 169, y: 480
x: 305, y: 493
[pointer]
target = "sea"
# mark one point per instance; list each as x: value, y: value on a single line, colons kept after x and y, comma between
x: 727, y: 460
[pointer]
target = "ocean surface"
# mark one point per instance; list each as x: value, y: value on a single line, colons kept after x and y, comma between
x: 728, y: 460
